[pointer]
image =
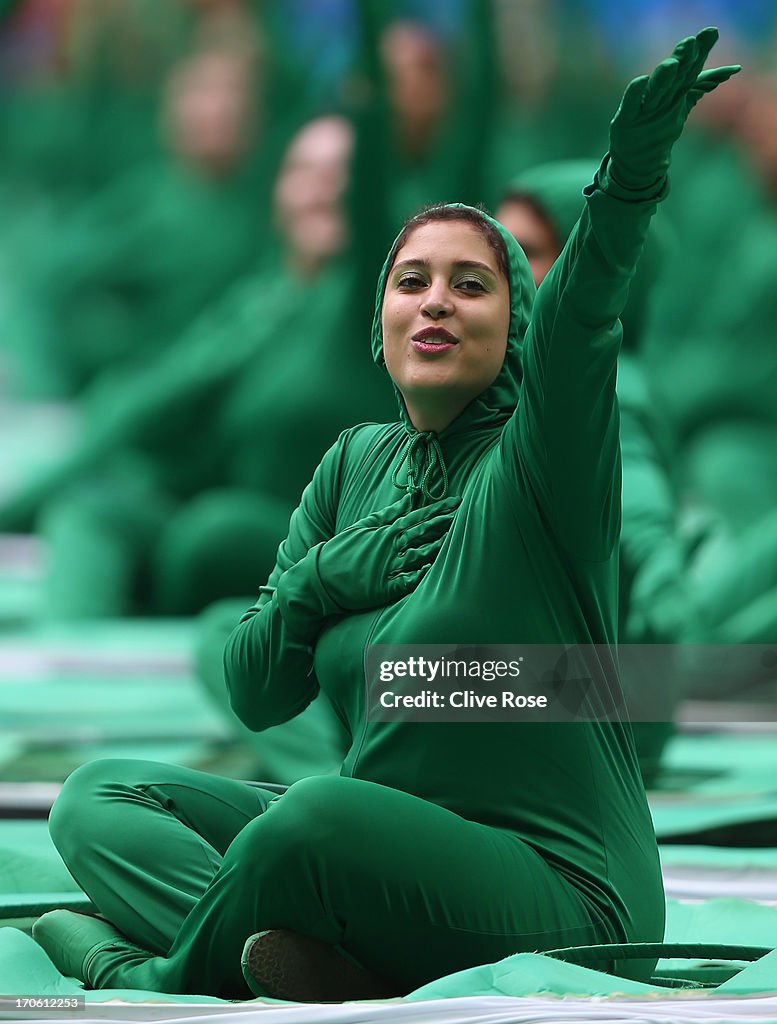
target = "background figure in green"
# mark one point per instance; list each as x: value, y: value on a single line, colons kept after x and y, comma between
x: 540, y: 208
x: 712, y: 364
x: 130, y: 268
x: 181, y: 489
x: 506, y: 463
x: 304, y: 390
x: 712, y: 359
x: 424, y: 85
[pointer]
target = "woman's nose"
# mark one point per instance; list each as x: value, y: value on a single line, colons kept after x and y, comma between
x: 437, y: 304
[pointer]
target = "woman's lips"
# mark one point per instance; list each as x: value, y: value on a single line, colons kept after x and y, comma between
x: 433, y: 341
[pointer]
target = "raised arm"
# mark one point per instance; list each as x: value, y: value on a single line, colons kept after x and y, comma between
x: 564, y: 436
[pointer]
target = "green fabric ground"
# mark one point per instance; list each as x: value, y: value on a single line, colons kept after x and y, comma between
x: 715, y: 763
x: 714, y: 781
x: 71, y: 693
x: 29, y: 862
x: 25, y: 967
x: 735, y: 858
x: 126, y: 686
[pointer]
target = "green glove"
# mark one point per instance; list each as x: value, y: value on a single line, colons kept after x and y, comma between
x: 654, y: 109
x: 376, y: 561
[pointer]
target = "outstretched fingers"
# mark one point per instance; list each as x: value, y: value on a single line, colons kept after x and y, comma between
x: 705, y: 40
x: 661, y: 83
x: 709, y: 80
x: 677, y: 74
x: 682, y: 74
x: 653, y: 110
x: 672, y: 78
x: 690, y: 56
x: 692, y: 53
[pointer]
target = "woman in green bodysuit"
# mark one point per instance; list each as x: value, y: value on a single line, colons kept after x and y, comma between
x: 489, y: 514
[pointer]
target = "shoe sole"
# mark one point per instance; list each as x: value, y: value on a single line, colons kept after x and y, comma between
x: 286, y: 965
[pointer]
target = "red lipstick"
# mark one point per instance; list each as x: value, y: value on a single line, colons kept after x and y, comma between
x: 433, y: 340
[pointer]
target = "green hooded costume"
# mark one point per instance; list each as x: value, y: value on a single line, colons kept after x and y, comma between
x: 440, y: 845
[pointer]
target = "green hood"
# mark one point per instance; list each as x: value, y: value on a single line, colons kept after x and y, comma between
x: 496, y: 404
x: 556, y: 191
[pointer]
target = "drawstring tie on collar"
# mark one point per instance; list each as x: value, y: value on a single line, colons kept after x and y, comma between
x: 424, y: 453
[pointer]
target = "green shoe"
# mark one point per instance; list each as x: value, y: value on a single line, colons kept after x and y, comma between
x: 71, y: 940
x: 286, y: 965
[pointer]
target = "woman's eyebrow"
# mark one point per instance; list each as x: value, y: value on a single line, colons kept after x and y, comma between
x: 458, y: 264
x: 404, y: 264
x: 473, y: 265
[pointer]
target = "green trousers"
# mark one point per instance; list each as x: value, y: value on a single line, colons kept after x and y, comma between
x: 188, y: 865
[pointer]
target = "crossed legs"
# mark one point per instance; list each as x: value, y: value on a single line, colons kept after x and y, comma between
x: 187, y: 866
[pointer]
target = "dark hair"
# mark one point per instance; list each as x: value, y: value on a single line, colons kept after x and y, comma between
x: 438, y: 212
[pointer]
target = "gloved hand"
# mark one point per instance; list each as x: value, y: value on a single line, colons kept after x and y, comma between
x: 654, y: 108
x: 374, y: 562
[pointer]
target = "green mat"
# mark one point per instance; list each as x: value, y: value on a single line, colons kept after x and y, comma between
x: 29, y: 863
x: 24, y: 967
x: 75, y: 692
x: 705, y: 872
x: 713, y: 782
x: 720, y: 763
x: 35, y: 436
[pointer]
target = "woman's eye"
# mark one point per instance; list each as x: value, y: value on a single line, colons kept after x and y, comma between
x: 410, y: 281
x: 471, y: 284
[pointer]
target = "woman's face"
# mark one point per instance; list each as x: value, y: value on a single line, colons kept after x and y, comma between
x: 446, y: 315
x: 309, y: 191
x: 207, y: 109
x: 418, y: 86
x: 534, y: 234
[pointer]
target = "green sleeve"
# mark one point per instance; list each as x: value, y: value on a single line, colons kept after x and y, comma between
x: 368, y: 204
x: 564, y: 436
x: 474, y: 103
x: 268, y: 669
